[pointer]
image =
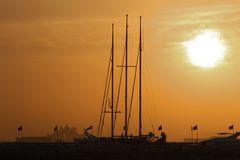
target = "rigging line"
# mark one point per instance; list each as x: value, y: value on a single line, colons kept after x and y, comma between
x: 134, y: 81
x: 151, y: 93
x: 119, y: 87
x: 149, y: 118
x: 104, y: 94
x: 106, y: 102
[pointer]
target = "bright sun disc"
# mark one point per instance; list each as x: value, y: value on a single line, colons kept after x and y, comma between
x: 206, y: 50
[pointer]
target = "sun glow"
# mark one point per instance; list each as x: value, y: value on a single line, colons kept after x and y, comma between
x: 206, y: 50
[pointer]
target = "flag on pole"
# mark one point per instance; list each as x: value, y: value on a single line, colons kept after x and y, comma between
x: 91, y: 127
x: 160, y: 128
x: 55, y: 128
x: 194, y: 127
x: 231, y: 127
x: 20, y: 128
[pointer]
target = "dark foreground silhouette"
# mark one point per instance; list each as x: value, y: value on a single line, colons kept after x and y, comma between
x: 79, y: 151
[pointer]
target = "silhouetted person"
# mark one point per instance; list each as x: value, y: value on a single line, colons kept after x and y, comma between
x: 163, y: 138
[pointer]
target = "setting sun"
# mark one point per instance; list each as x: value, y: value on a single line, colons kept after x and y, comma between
x: 206, y: 50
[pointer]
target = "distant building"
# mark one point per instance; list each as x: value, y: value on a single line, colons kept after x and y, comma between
x: 63, y: 134
x: 44, y: 139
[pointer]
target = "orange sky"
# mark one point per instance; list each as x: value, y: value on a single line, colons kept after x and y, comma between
x: 53, y: 59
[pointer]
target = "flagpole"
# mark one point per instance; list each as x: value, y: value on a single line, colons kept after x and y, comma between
x: 55, y: 131
x: 153, y: 128
x: 191, y: 133
x: 57, y: 136
x: 197, y: 136
x: 231, y: 128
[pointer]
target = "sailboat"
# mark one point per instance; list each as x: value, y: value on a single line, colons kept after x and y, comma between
x: 124, y: 137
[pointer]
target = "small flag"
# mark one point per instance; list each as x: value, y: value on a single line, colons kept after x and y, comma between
x: 20, y: 128
x: 231, y: 127
x: 89, y: 127
x: 160, y: 128
x: 55, y: 128
x: 195, y: 128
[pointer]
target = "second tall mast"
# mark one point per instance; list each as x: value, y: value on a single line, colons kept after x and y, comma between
x: 140, y: 79
x: 112, y: 100
x: 126, y: 81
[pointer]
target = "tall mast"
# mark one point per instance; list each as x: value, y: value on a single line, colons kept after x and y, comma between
x: 126, y: 80
x: 112, y: 106
x: 140, y: 79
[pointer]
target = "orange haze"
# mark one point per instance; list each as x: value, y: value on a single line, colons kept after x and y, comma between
x: 54, y: 55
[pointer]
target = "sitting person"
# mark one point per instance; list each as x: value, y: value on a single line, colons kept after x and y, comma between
x: 162, y: 139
